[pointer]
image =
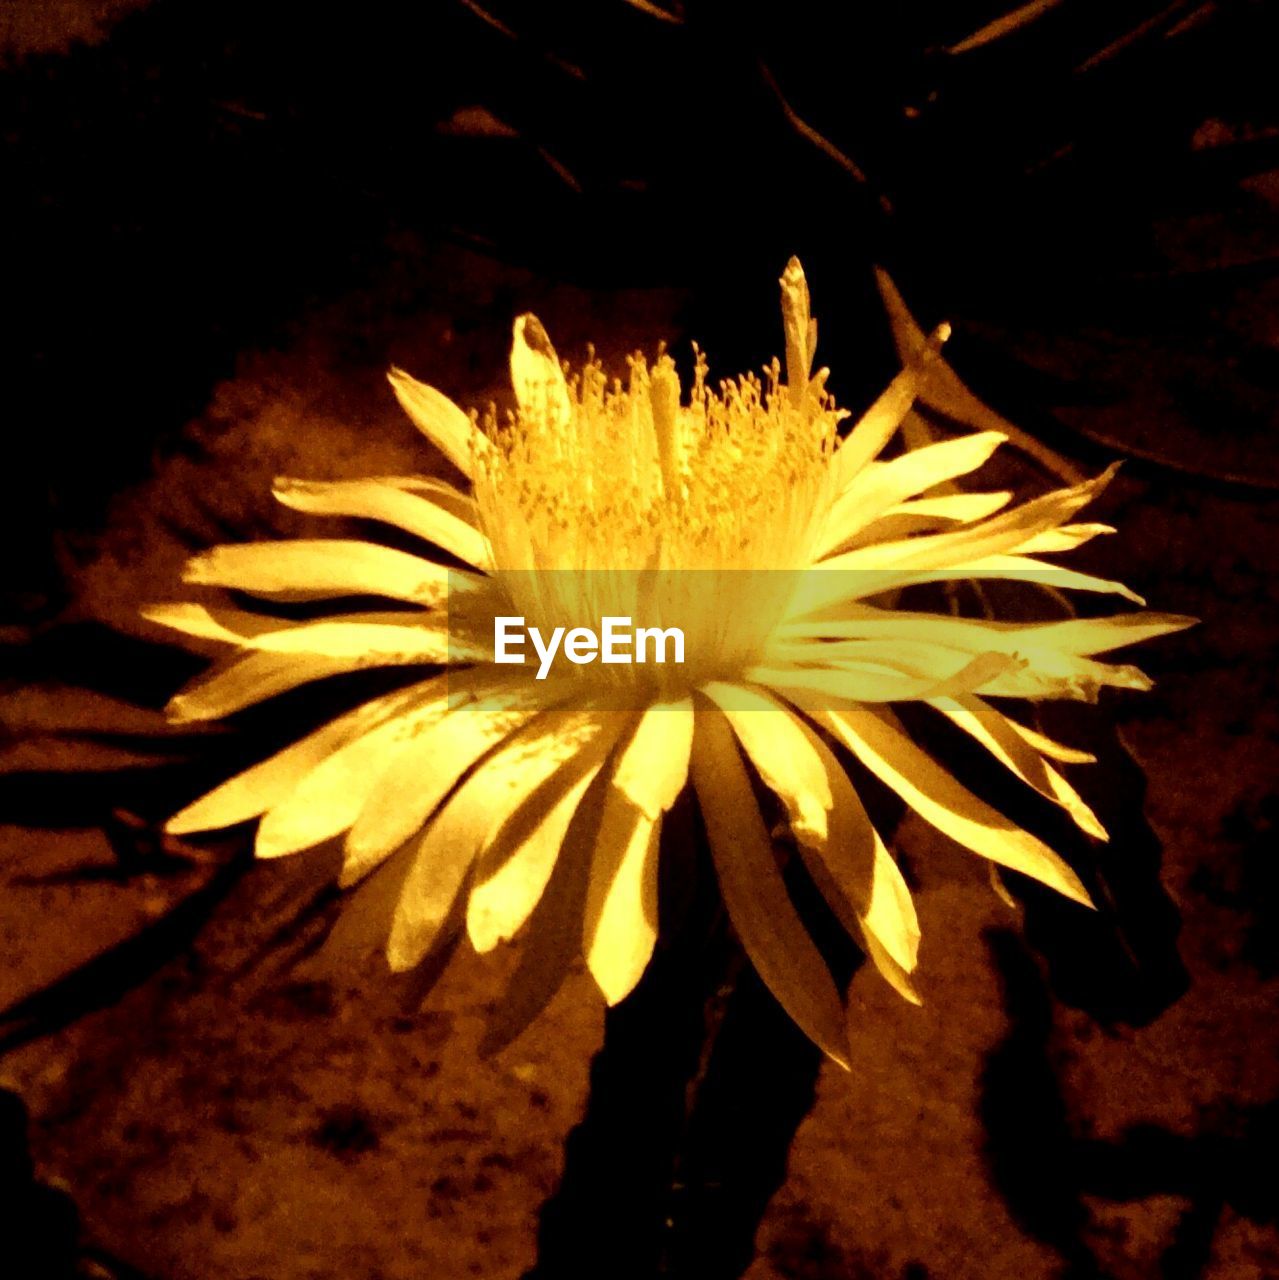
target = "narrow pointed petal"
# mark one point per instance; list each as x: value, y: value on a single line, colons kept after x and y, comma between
x: 251, y: 793
x: 222, y: 625
x: 876, y: 739
x: 446, y: 852
x: 755, y: 893
x: 881, y: 487
x: 318, y: 569
x: 993, y: 730
x: 653, y: 767
x: 775, y: 744
x: 357, y: 639
x: 329, y: 799
x: 794, y: 762
x: 439, y: 420
x: 376, y: 500
x: 1010, y: 532
x: 369, y: 639
x: 428, y: 768
x: 535, y: 786
x: 1048, y: 747
x: 962, y: 507
x: 879, y: 423
x: 620, y: 923
x: 553, y: 938
x: 248, y: 680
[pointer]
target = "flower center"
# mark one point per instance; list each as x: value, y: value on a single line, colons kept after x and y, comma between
x: 617, y: 499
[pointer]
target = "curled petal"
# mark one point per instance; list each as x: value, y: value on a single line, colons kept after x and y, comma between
x: 536, y: 376
x: 439, y: 420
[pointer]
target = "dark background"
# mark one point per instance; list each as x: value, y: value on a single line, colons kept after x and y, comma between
x: 222, y: 221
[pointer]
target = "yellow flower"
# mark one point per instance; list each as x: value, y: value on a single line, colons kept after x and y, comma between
x: 780, y: 550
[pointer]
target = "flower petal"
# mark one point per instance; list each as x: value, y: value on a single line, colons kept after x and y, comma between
x: 841, y: 845
x: 439, y: 420
x: 536, y: 375
x: 329, y: 799
x: 620, y: 924
x: 490, y: 797
x: 653, y: 767
x: 545, y: 779
x: 876, y: 739
x: 876, y: 426
x: 428, y: 767
x: 755, y: 893
x: 775, y: 744
x: 879, y: 488
x: 553, y: 939
x: 268, y: 783
x: 987, y: 726
x: 250, y: 679
x: 1004, y: 534
x: 376, y: 500
x: 619, y: 928
x: 319, y: 568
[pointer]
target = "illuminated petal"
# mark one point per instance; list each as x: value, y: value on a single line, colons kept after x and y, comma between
x: 220, y: 625
x: 775, y: 743
x: 1003, y: 534
x: 268, y: 783
x: 883, y: 677
x: 375, y: 500
x: 490, y: 797
x: 1066, y: 538
x: 548, y: 778
x: 439, y: 420
x: 842, y: 684
x: 619, y: 927
x: 355, y: 639
x: 827, y: 817
x: 620, y: 924
x: 440, y: 492
x: 1011, y: 749
x: 553, y: 938
x: 926, y: 515
x: 1075, y: 636
x: 755, y: 894
x: 428, y: 767
x: 875, y: 738
x: 881, y: 487
x: 501, y: 902
x: 536, y: 375
x: 841, y: 578
x: 1046, y: 746
x: 328, y: 800
x: 954, y: 506
x: 316, y: 569
x: 375, y: 640
x: 653, y: 767
x: 876, y: 426
x: 248, y: 680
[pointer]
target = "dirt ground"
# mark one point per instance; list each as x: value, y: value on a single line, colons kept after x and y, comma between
x: 233, y: 1112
